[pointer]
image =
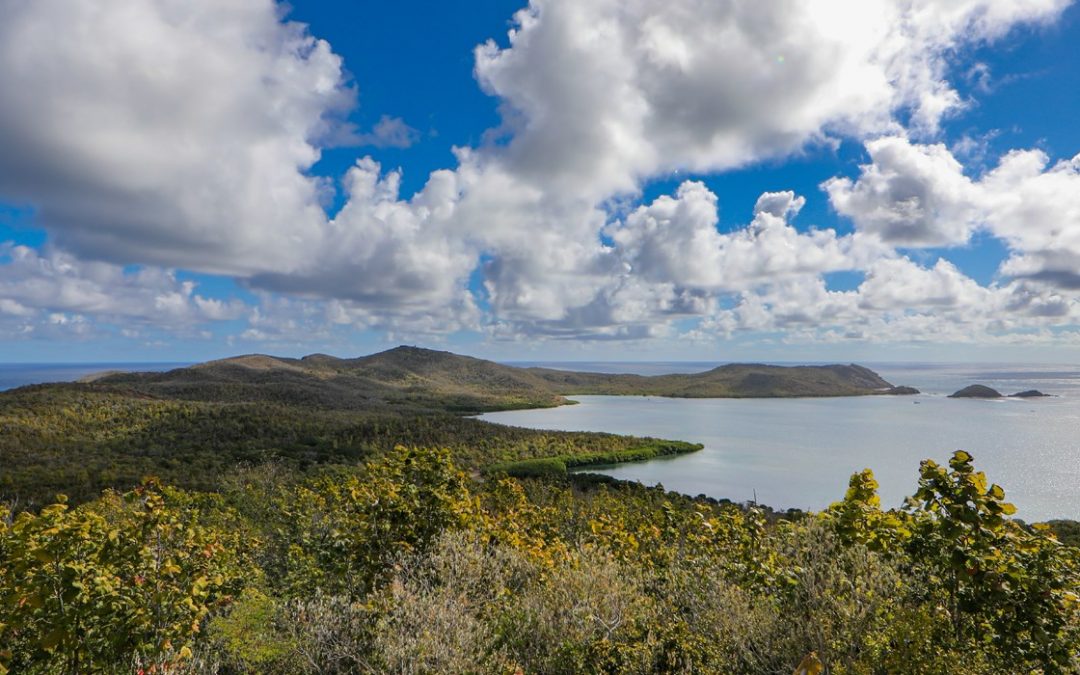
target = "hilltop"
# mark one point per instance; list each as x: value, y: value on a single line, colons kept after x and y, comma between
x: 400, y: 378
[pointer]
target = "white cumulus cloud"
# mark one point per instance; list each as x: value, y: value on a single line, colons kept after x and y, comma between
x: 918, y: 195
x: 53, y: 287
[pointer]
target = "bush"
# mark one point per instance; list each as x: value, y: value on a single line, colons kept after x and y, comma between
x: 89, y: 589
x: 531, y: 468
x: 557, y: 466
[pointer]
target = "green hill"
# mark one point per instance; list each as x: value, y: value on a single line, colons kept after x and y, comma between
x: 415, y: 378
x: 401, y: 378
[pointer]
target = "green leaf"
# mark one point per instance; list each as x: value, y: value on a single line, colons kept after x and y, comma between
x: 52, y: 639
x: 960, y: 457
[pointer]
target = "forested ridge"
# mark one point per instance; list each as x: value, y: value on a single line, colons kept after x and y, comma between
x: 79, y: 440
x: 222, y: 520
x: 410, y: 377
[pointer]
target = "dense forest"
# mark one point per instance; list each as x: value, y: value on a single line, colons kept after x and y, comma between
x: 224, y: 521
x: 77, y: 440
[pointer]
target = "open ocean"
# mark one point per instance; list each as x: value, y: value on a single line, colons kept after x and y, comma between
x: 14, y: 375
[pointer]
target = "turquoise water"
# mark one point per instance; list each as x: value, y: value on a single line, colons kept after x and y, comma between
x: 800, y: 452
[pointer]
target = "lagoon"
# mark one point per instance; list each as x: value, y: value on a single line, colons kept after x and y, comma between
x: 800, y: 452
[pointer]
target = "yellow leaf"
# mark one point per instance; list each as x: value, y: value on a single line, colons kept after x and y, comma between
x: 810, y: 665
x: 185, y: 652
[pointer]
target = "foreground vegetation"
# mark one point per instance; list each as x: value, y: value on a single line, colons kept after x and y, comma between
x: 408, y: 564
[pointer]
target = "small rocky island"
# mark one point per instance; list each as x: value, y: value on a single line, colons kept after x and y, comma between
x: 902, y: 391
x: 977, y: 391
x: 982, y: 391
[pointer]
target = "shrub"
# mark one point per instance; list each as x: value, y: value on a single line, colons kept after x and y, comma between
x: 88, y: 589
x: 531, y: 468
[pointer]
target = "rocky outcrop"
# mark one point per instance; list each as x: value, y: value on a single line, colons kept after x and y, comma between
x: 977, y: 391
x: 902, y: 391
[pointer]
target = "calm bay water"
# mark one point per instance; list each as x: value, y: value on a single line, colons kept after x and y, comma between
x: 800, y: 452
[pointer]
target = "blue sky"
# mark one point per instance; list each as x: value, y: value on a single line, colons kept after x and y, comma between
x: 640, y: 180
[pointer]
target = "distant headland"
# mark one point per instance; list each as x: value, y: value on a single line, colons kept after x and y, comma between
x: 416, y: 377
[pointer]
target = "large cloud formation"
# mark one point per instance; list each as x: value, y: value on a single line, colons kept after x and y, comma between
x: 182, y: 134
x: 915, y: 195
x: 170, y: 133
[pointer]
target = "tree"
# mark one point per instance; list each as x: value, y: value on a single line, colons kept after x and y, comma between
x: 1008, y: 587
